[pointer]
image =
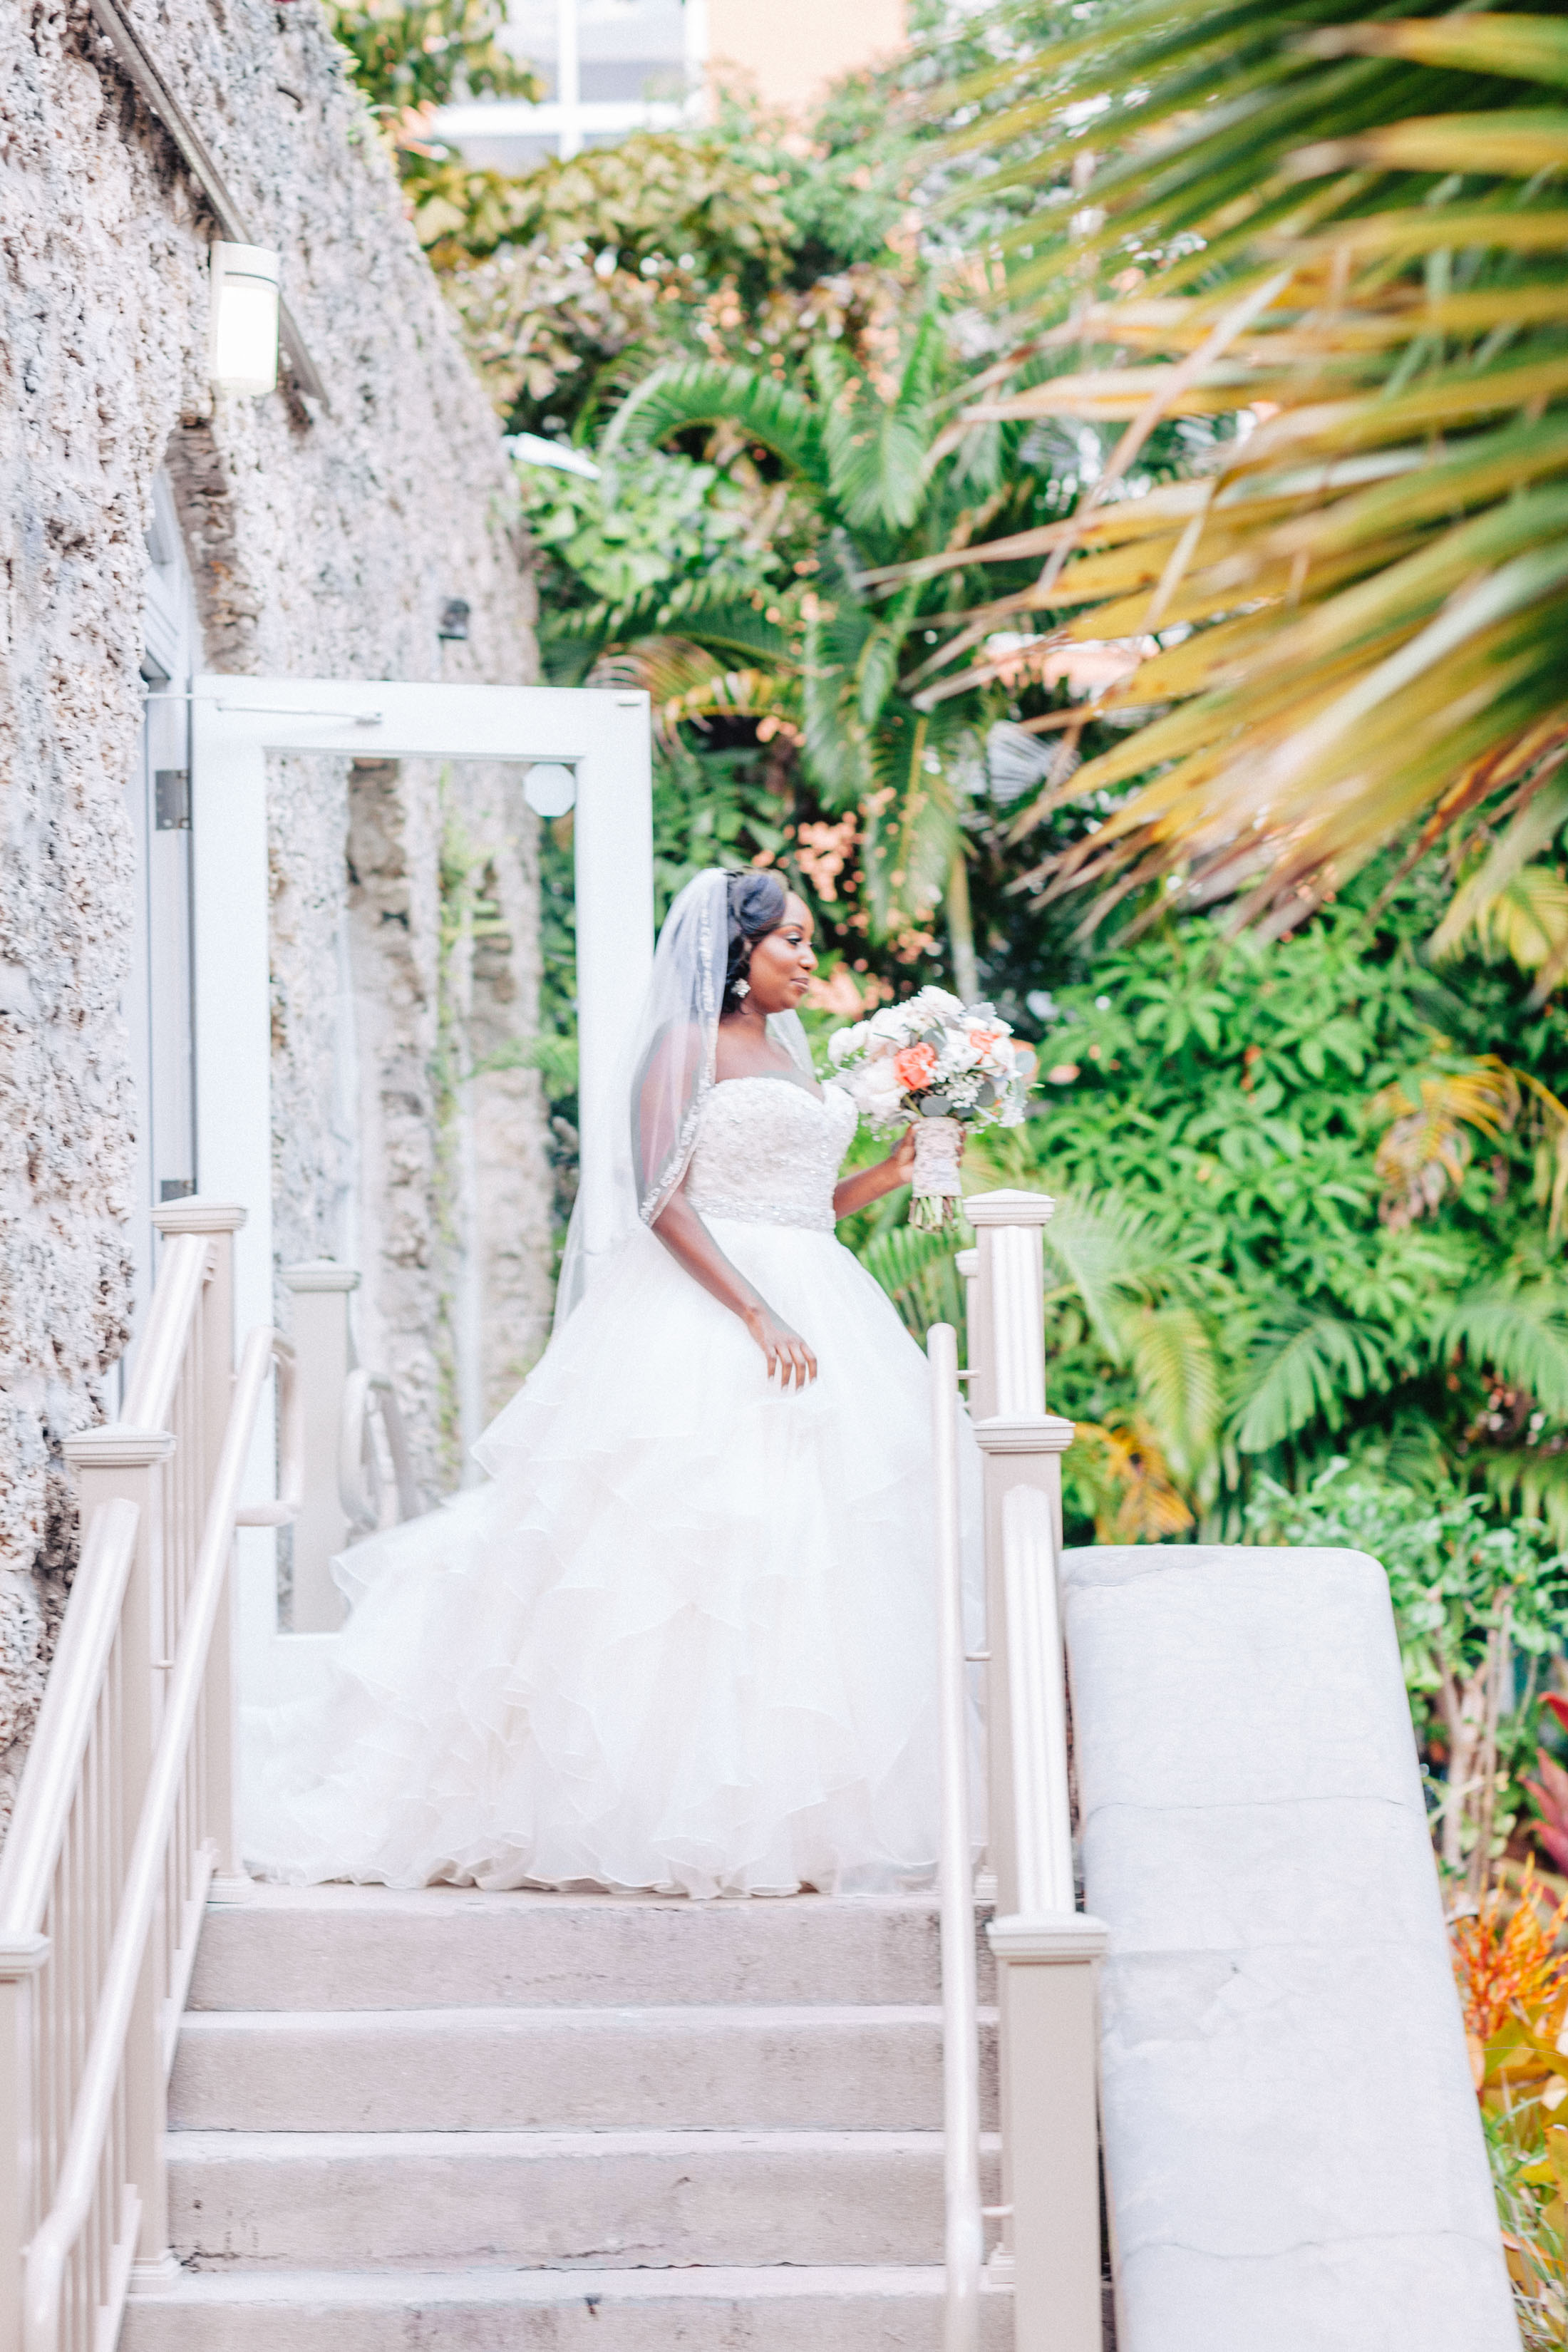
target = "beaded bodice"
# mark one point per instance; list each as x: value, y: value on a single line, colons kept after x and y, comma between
x: 769, y: 1151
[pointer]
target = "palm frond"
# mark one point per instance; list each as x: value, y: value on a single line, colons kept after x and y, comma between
x: 1521, y: 1335
x: 1178, y: 1381
x: 1529, y: 1483
x: 685, y: 684
x: 1425, y: 1150
x: 911, y: 834
x: 877, y: 451
x: 693, y: 611
x: 1099, y: 1245
x: 1524, y: 917
x: 1303, y: 1367
x: 1341, y: 241
x: 918, y: 1271
x: 1119, y: 1469
x: 688, y: 393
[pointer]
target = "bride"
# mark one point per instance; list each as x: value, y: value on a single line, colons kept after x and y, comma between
x: 684, y: 1639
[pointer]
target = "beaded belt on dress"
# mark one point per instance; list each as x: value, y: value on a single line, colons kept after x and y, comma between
x: 762, y: 1212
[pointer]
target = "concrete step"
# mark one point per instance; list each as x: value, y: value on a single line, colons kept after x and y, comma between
x: 373, y: 1948
x: 557, y: 2200
x: 609, y: 2201
x: 679, y: 2069
x: 773, y: 2310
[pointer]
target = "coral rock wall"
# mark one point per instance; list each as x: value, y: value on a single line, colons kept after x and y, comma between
x: 319, y: 542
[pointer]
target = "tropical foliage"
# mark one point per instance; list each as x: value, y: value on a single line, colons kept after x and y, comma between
x: 1338, y: 248
x: 1473, y: 1604
x: 1238, y: 1268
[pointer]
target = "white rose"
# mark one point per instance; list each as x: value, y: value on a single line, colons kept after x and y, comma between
x: 890, y: 1022
x: 879, y: 1093
x: 845, y: 1042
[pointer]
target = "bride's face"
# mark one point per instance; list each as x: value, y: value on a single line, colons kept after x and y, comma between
x: 783, y: 961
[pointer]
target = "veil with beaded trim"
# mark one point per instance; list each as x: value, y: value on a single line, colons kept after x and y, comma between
x: 668, y: 1071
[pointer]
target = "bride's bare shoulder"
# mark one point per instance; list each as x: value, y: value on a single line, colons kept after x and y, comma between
x: 675, y: 1056
x: 741, y: 1056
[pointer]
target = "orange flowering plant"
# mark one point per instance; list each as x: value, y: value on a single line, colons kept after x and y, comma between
x: 1512, y: 1976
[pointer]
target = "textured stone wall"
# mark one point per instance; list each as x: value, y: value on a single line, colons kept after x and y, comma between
x: 319, y: 542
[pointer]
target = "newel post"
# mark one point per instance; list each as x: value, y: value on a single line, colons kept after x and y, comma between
x: 212, y: 1341
x: 1046, y: 1952
x: 323, y: 1346
x: 1022, y: 1446
x: 21, y: 1958
x: 111, y: 1461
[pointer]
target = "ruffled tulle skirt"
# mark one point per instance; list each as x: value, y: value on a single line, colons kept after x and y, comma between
x: 683, y: 1638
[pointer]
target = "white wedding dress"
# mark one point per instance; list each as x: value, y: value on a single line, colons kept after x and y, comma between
x: 684, y: 1639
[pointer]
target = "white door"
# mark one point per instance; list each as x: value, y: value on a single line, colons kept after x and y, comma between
x: 158, y: 997
x: 604, y: 736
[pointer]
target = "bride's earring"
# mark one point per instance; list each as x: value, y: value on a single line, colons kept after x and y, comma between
x: 742, y: 988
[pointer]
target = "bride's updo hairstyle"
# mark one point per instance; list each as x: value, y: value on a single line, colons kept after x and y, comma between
x: 757, y: 904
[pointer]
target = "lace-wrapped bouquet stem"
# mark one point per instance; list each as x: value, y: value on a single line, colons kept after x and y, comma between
x: 939, y: 1066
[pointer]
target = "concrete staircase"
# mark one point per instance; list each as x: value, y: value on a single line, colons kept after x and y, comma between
x: 501, y: 2121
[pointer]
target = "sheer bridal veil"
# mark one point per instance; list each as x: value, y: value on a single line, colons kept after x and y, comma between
x: 667, y: 1070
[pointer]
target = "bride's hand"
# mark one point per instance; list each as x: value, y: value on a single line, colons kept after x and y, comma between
x: 785, y: 1351
x: 900, y: 1163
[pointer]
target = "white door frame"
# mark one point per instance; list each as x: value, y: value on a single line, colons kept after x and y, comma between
x: 235, y: 722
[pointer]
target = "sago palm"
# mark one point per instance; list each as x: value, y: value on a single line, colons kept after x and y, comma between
x: 1340, y: 248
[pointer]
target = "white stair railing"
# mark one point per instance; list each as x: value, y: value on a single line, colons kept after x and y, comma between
x: 369, y: 1397
x: 126, y: 1812
x: 963, y: 2225
x: 345, y: 1408
x: 1046, y: 1948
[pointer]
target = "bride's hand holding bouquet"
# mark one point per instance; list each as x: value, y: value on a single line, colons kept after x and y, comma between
x: 934, y: 1067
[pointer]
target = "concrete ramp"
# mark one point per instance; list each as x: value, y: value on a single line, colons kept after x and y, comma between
x: 1294, y: 2158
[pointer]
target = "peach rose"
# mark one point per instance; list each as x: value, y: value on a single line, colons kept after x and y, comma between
x: 915, y: 1066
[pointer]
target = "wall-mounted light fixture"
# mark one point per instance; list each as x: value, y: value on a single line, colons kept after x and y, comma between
x: 244, y: 346
x: 453, y: 625
x: 550, y: 788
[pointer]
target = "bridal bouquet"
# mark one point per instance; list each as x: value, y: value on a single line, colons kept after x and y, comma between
x: 939, y: 1066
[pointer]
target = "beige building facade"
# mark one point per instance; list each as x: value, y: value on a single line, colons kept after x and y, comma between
x: 789, y: 54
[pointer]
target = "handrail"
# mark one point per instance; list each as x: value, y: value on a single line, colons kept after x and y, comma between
x: 359, y: 1485
x: 964, y: 2230
x: 65, y: 1719
x: 182, y: 1263
x: 51, y: 2245
x: 291, y: 1446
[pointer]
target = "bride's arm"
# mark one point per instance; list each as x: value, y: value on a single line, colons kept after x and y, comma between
x: 869, y: 1184
x: 690, y: 1244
